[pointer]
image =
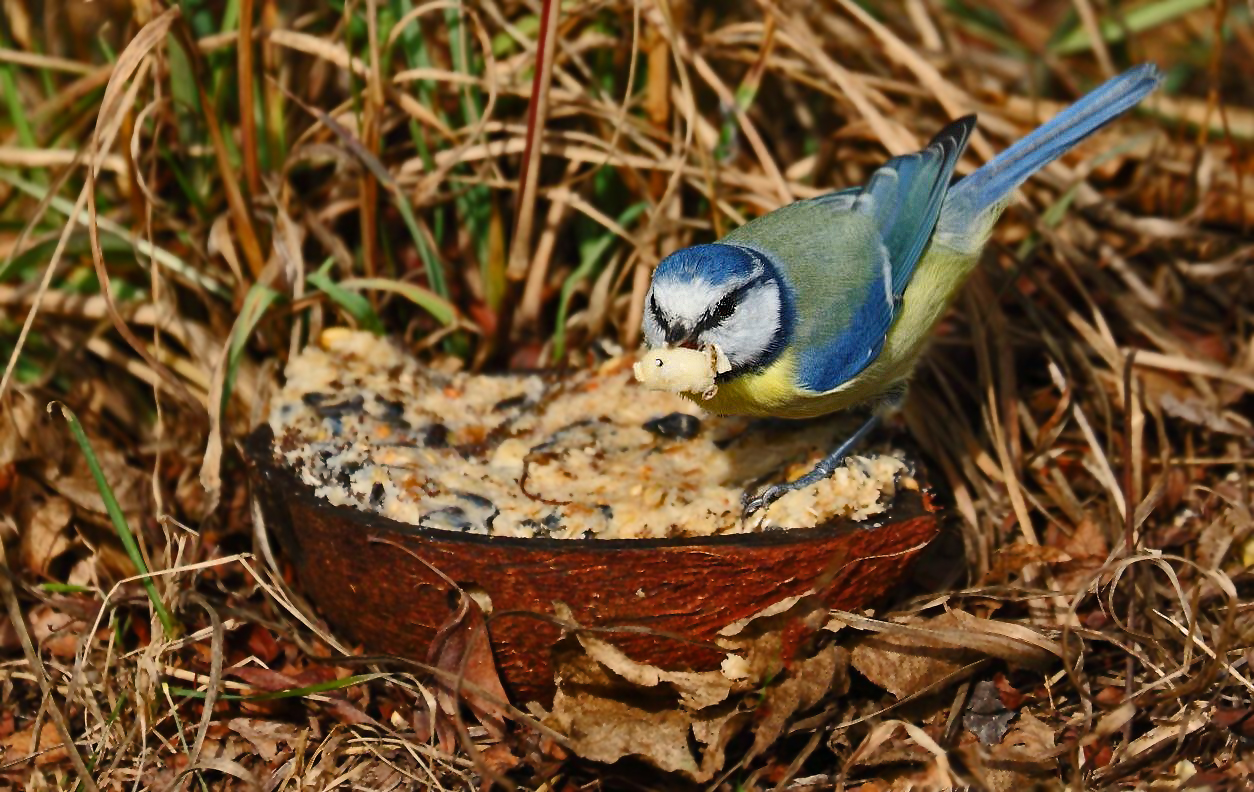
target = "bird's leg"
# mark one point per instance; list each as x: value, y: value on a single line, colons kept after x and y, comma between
x: 822, y: 470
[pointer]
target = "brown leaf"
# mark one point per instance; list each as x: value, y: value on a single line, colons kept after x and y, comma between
x: 697, y: 690
x: 54, y: 631
x: 462, y: 647
x: 266, y: 736
x: 46, y: 535
x: 130, y: 485
x: 1240, y: 720
x: 610, y: 706
x: 262, y: 644
x: 26, y: 433
x: 807, y: 683
x: 264, y: 679
x: 1195, y: 410
x: 8, y: 635
x: 1010, y: 695
x: 1030, y: 740
x: 605, y: 730
x: 499, y: 758
x: 1011, y: 559
x: 348, y: 713
x: 905, y: 664
x: 1020, y: 760
x: 21, y: 744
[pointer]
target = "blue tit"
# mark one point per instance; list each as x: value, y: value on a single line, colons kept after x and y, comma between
x: 827, y: 303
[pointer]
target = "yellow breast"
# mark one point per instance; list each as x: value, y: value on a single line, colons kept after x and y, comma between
x: 773, y: 392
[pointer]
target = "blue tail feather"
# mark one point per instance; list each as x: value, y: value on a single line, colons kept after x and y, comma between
x: 992, y: 184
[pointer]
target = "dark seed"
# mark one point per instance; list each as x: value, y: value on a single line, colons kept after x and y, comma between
x: 345, y: 476
x: 314, y: 399
x: 337, y: 409
x: 435, y: 436
x: 450, y: 518
x: 510, y: 403
x: 476, y: 500
x: 393, y: 412
x: 606, y: 511
x: 552, y: 522
x: 677, y: 425
x: 485, y: 510
x: 376, y: 494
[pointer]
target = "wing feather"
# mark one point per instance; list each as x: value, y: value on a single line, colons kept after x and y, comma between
x: 902, y: 201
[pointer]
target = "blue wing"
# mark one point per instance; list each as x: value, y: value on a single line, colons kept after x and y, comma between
x: 902, y: 201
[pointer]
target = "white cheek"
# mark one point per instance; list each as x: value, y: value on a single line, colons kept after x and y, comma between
x: 751, y: 329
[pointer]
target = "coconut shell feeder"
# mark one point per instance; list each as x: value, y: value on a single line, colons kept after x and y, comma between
x: 380, y: 533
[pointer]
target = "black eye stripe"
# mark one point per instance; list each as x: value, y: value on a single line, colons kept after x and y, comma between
x: 725, y: 307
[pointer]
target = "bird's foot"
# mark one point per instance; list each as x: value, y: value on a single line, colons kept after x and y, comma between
x: 754, y: 503
x: 751, y: 504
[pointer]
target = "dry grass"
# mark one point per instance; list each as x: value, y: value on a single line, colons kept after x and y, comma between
x: 178, y: 214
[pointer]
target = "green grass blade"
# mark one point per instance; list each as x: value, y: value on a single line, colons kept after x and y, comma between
x: 308, y: 690
x: 168, y: 622
x: 1134, y: 20
x: 160, y: 255
x: 17, y: 113
x: 256, y: 302
x: 441, y: 309
x: 353, y: 303
x: 590, y: 262
x: 65, y: 588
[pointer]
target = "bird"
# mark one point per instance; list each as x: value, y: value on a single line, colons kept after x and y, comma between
x: 827, y: 304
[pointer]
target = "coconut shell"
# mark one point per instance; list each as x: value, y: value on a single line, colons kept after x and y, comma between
x: 684, y: 591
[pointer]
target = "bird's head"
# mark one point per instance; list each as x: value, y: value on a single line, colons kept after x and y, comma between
x: 725, y: 295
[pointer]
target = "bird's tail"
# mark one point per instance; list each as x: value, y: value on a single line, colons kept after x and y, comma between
x: 990, y: 186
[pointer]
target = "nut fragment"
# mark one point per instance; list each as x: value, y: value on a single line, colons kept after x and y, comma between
x: 682, y: 370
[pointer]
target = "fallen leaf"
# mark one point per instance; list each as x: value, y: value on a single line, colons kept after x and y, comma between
x: 27, y: 433
x: 1231, y: 527
x: 47, y: 535
x: 8, y: 635
x: 265, y: 736
x: 19, y: 745
x: 1193, y: 409
x: 603, y: 729
x: 462, y: 648
x: 1023, y: 757
x: 806, y: 683
x: 262, y: 644
x: 54, y: 631
x: 1030, y: 740
x: 1239, y: 720
x: 265, y: 680
x: 697, y: 690
x: 905, y: 664
x: 1011, y: 560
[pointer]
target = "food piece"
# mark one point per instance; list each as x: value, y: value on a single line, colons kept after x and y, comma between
x: 682, y: 370
x: 587, y: 455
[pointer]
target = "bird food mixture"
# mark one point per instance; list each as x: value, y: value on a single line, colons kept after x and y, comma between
x: 589, y: 455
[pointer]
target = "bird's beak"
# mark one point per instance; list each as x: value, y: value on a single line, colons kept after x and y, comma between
x: 679, y: 336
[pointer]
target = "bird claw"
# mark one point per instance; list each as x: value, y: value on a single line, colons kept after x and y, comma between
x: 753, y: 503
